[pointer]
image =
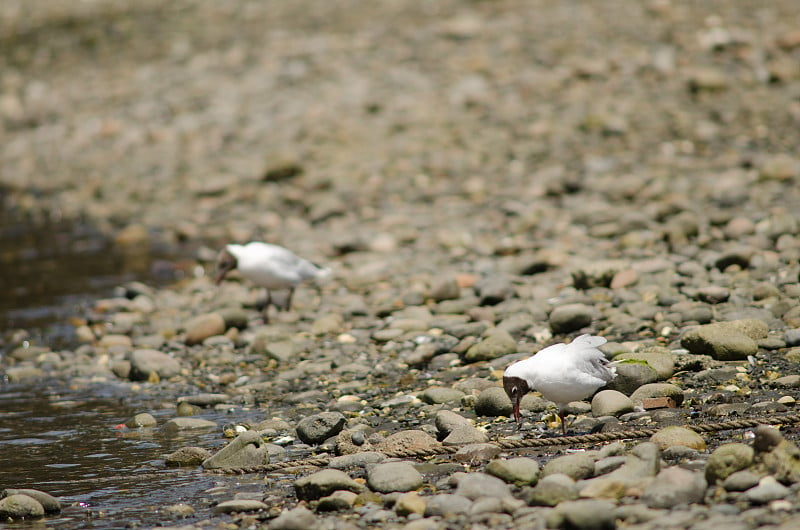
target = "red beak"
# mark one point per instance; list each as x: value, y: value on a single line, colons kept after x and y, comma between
x: 517, y: 414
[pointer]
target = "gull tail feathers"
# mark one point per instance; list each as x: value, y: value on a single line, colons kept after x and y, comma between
x: 588, y: 341
x: 322, y: 272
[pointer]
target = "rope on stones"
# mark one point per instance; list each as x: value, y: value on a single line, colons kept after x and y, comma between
x: 509, y: 444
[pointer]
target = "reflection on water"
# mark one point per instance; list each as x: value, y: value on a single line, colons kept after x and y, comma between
x: 60, y: 437
x: 49, y: 268
x: 105, y: 477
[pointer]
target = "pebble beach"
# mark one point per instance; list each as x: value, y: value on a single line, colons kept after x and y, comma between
x: 483, y: 178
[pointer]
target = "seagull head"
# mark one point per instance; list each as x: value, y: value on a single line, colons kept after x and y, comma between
x: 515, y: 387
x: 226, y: 262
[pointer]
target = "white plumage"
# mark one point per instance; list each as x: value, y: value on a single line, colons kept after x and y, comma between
x: 561, y: 372
x: 273, y: 266
x: 269, y: 266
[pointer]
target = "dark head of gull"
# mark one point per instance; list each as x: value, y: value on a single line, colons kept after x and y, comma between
x: 516, y: 388
x: 226, y: 262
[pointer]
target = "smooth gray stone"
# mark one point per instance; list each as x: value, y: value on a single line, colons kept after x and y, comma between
x: 393, y: 476
x: 247, y: 450
x: 48, y: 502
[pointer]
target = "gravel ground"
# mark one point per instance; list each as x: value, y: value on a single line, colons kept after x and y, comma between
x: 484, y: 178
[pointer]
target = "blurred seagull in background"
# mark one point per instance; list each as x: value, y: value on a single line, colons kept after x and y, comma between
x: 268, y: 266
x: 561, y: 372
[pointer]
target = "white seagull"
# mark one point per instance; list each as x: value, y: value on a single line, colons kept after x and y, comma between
x: 561, y: 372
x: 268, y: 266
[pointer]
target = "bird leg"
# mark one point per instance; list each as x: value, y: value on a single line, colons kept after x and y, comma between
x: 264, y: 306
x: 563, y: 422
x: 289, y: 299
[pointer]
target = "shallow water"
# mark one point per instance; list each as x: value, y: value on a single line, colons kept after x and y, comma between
x: 64, y: 440
x: 60, y: 436
x: 51, y: 268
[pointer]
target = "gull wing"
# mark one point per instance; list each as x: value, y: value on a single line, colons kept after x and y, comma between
x: 591, y: 360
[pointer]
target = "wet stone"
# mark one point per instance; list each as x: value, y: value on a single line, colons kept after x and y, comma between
x: 611, y: 403
x: 726, y: 341
x: 551, y: 490
x: 474, y: 385
x: 767, y: 490
x: 596, y: 274
x: 584, y: 514
x: 726, y: 460
x: 112, y: 340
x: 282, y: 351
x: 20, y: 506
x: 239, y: 505
x: 740, y: 480
x: 410, y: 440
x: 121, y: 368
x: 657, y: 390
x: 146, y: 362
x: 234, y: 317
x: 436, y: 395
x: 642, y: 462
x: 353, y: 441
x: 637, y: 513
x: 516, y: 324
x: 323, y: 483
x: 187, y: 456
x: 327, y: 324
x: 727, y: 409
x: 445, y: 504
x: 792, y: 337
x: 766, y: 439
x: 186, y: 424
x: 493, y: 402
x: 497, y: 343
x: 476, y: 452
x: 608, y: 464
x: 494, y: 289
x: 186, y: 409
x: 245, y: 451
x: 768, y: 407
x: 465, y: 434
x: 466, y: 329
x: 142, y: 419
x: 299, y: 518
x: 776, y: 456
x: 356, y: 460
x: 420, y: 356
x: 180, y: 510
x: 787, y: 381
x: 662, y: 362
x: 410, y: 503
x: 673, y: 486
x: 679, y: 453
x: 576, y: 466
x: 476, y: 485
x: 674, y: 435
x: 202, y: 327
x: 49, y: 503
x: 393, y: 476
x: 23, y: 372
x: 446, y: 421
x: 336, y: 501
x: 445, y: 288
x: 713, y: 294
x: 631, y: 375
x: 520, y: 471
x: 319, y: 427
x: 205, y: 399
x: 570, y: 317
